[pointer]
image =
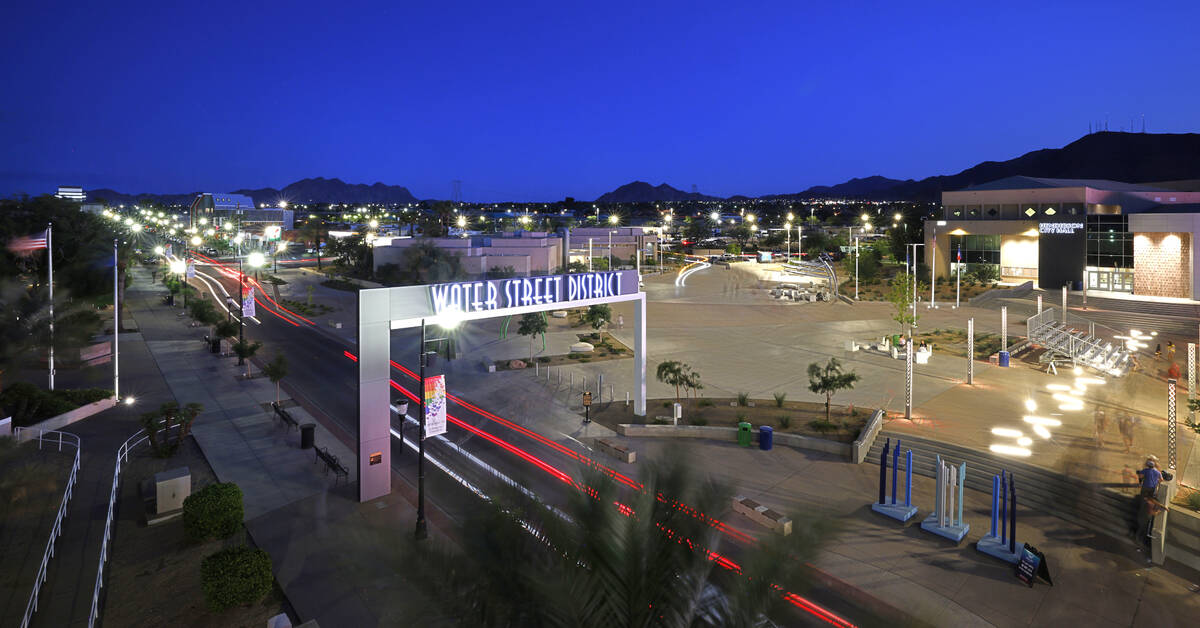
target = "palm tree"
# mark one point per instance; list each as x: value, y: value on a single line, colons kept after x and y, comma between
x: 611, y: 557
x: 673, y: 373
x: 314, y: 230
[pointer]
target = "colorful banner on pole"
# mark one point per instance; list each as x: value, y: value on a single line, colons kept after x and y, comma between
x: 248, y: 304
x: 191, y: 269
x: 435, y: 405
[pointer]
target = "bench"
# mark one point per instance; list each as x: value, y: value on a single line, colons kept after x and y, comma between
x: 331, y: 463
x: 285, y: 415
x: 620, y: 452
x: 762, y: 515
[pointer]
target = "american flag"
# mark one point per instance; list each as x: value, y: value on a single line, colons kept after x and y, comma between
x: 28, y: 244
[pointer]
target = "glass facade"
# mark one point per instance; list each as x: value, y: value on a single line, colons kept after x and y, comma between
x: 1109, y: 243
x: 977, y: 250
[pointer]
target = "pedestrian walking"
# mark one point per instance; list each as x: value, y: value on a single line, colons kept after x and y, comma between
x: 1158, y: 352
x: 1170, y: 351
x: 620, y: 321
x: 1128, y: 477
x: 1150, y: 477
x: 1125, y: 427
x: 1101, y: 426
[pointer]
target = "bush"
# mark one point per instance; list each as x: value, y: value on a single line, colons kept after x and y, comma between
x: 699, y: 420
x: 543, y: 360
x: 705, y: 403
x: 574, y: 356
x: 785, y: 422
x: 741, y: 417
x: 779, y: 399
x: 27, y: 404
x: 659, y: 421
x: 666, y: 404
x: 213, y: 511
x: 743, y: 399
x: 1193, y: 500
x: 822, y: 426
x: 235, y: 576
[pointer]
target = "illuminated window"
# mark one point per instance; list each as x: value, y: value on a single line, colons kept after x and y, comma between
x: 1030, y: 212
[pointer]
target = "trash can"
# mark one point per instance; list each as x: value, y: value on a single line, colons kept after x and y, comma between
x: 1003, y: 358
x: 895, y: 340
x: 766, y: 437
x: 216, y: 345
x: 745, y: 435
x: 307, y: 435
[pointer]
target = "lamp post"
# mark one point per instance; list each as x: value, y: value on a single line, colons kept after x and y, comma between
x: 913, y: 276
x: 179, y: 267
x: 255, y: 260
x: 449, y: 321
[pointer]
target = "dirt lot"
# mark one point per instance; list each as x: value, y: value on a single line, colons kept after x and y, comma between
x: 606, y: 348
x: 31, y: 489
x: 154, y: 572
x: 795, y: 417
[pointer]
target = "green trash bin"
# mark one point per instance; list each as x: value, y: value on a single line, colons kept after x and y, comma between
x: 745, y: 434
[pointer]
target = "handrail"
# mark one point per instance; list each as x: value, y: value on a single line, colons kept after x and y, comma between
x: 122, y: 456
x: 56, y: 529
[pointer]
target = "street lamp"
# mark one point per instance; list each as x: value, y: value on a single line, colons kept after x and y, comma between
x: 281, y: 247
x: 254, y: 260
x: 614, y: 219
x: 449, y: 320
x: 179, y: 267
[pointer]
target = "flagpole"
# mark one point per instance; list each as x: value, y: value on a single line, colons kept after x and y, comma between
x: 116, y: 326
x: 50, y: 259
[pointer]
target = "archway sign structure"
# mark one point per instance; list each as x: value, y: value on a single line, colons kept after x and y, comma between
x: 380, y: 310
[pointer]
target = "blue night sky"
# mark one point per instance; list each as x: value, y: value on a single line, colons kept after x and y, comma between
x: 570, y: 99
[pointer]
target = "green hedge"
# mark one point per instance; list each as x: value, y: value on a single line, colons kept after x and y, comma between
x: 235, y: 576
x: 28, y: 404
x: 213, y: 511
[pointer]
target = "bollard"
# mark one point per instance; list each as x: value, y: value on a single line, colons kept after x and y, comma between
x: 610, y: 393
x: 626, y: 398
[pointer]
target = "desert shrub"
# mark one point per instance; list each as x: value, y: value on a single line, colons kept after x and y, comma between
x: 543, y: 360
x: 1193, y: 500
x: 779, y: 399
x: 743, y: 399
x: 822, y: 425
x: 705, y: 403
x: 213, y: 511
x: 574, y: 356
x: 659, y: 421
x: 666, y: 404
x: 785, y: 422
x: 235, y: 576
x: 699, y: 420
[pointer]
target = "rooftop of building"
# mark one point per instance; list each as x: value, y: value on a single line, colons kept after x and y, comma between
x: 1028, y: 183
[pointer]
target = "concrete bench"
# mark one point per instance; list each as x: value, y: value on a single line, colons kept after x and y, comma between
x: 620, y: 452
x: 762, y: 515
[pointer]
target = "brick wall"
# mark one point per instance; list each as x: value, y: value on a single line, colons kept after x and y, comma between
x: 1162, y: 264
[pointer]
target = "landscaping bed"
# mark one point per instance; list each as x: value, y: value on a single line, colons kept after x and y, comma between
x: 154, y: 572
x: 954, y: 342
x: 607, y: 349
x: 307, y: 309
x: 794, y: 417
x: 28, y: 403
x: 31, y: 489
x: 341, y: 284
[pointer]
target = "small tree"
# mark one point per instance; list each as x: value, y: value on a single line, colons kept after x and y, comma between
x: 692, y: 380
x: 598, y: 316
x: 276, y: 370
x: 168, y: 415
x: 829, y: 380
x: 673, y: 373
x: 531, y: 325
x: 245, y: 350
x: 225, y: 329
x: 901, y: 297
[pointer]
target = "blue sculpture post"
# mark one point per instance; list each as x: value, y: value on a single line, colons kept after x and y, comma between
x: 1012, y: 510
x: 908, y: 478
x: 895, y: 469
x: 962, y: 482
x: 939, y: 502
x: 883, y: 471
x: 1003, y: 508
x: 995, y: 505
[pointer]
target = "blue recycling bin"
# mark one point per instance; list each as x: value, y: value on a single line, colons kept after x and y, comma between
x: 766, y: 437
x: 1003, y: 358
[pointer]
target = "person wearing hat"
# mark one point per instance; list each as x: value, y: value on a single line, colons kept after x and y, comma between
x: 1150, y: 476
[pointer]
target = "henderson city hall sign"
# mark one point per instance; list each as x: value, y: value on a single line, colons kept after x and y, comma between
x: 380, y: 310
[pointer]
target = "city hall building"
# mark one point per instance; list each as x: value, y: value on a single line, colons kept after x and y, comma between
x: 1116, y: 237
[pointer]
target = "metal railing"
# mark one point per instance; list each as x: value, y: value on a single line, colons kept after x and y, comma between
x: 122, y: 456
x: 60, y: 438
x: 1070, y: 341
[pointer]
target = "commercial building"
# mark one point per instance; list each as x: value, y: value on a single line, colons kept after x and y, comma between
x: 220, y: 210
x: 529, y: 252
x: 71, y: 193
x: 1108, y: 235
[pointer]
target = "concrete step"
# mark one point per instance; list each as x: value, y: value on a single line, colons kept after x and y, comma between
x: 1095, y: 507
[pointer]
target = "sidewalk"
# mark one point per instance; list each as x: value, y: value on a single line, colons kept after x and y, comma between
x: 1097, y: 581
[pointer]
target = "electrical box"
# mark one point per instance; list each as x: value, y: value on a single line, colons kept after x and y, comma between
x: 171, y: 487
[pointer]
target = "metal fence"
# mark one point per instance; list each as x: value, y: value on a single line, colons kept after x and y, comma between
x: 122, y: 457
x: 49, y: 438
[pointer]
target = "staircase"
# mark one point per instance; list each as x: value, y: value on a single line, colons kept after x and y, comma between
x: 1088, y: 505
x: 1066, y: 342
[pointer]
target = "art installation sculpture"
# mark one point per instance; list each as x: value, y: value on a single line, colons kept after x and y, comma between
x: 947, y: 517
x: 1004, y: 511
x: 901, y: 512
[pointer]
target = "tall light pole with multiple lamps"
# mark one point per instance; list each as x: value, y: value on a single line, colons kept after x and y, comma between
x: 254, y: 260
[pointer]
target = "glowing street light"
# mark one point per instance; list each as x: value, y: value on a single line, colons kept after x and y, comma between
x: 614, y: 219
x: 196, y: 240
x: 158, y: 250
x: 374, y: 223
x: 714, y: 216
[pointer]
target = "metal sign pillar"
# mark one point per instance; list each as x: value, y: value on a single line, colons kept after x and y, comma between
x: 1171, y: 424
x: 1004, y: 328
x: 1039, y: 304
x: 1191, y: 380
x: 970, y: 351
x: 1064, y: 305
x: 908, y: 379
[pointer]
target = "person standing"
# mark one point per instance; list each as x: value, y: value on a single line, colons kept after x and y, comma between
x: 1125, y: 427
x: 1170, y: 351
x: 1158, y: 352
x: 1150, y: 477
x: 1101, y: 426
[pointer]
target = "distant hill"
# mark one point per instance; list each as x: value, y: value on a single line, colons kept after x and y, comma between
x: 642, y: 192
x: 316, y: 190
x: 854, y: 188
